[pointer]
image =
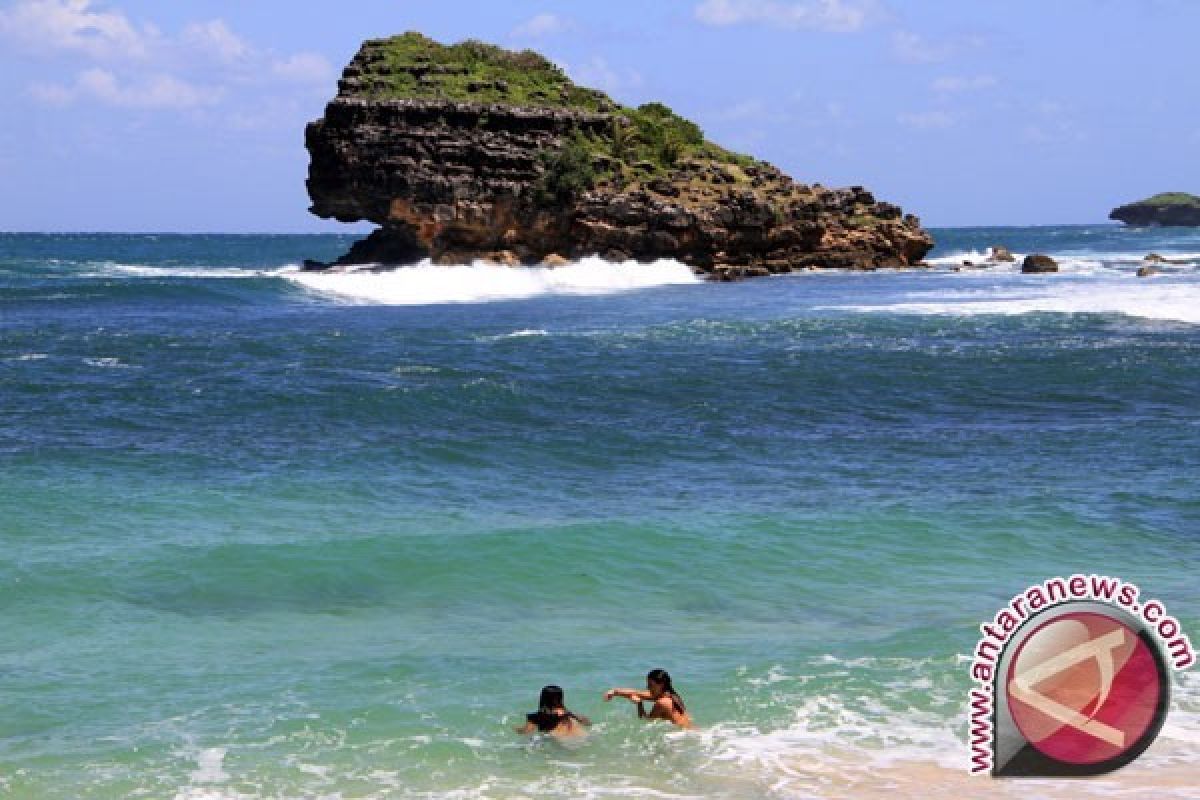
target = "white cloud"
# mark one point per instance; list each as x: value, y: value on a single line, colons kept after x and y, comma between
x: 542, y: 25
x: 74, y: 25
x: 132, y: 64
x: 839, y: 16
x: 303, y: 68
x: 215, y: 39
x: 599, y: 74
x: 949, y: 84
x: 108, y: 35
x: 912, y: 48
x: 927, y: 120
x: 153, y: 91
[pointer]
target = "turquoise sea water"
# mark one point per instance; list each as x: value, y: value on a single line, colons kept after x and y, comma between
x: 264, y: 535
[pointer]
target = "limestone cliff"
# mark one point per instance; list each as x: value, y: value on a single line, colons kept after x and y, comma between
x: 471, y: 151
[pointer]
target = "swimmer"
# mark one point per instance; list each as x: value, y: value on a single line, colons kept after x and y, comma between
x: 667, y: 704
x: 552, y: 716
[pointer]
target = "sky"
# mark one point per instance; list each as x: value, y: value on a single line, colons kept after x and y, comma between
x: 140, y: 115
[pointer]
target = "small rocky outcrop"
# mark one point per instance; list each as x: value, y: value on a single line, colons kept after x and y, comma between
x: 1147, y: 271
x: 1155, y: 258
x: 1001, y: 253
x: 1168, y: 208
x: 1037, y: 263
x: 471, y: 151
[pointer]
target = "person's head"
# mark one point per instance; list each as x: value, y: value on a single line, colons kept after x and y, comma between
x: 551, y: 698
x: 658, y: 683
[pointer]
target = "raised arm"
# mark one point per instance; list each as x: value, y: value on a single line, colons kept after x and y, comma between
x: 632, y: 695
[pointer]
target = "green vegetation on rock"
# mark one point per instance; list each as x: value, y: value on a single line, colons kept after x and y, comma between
x: 1172, y: 199
x: 566, y: 173
x: 414, y: 66
x: 649, y: 141
x: 643, y: 141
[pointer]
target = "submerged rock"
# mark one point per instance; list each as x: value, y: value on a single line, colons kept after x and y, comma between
x: 1038, y: 262
x: 465, y: 151
x: 1146, y: 272
x: 1155, y: 258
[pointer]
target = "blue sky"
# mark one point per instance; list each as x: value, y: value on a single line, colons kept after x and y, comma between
x: 133, y: 115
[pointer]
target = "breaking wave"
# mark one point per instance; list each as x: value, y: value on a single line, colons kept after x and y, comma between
x: 428, y: 284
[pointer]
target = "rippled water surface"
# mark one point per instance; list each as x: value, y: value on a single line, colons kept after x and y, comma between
x: 265, y: 534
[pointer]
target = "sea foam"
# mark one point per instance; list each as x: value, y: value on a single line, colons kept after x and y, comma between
x: 427, y: 284
x: 1073, y: 261
x: 1148, y: 298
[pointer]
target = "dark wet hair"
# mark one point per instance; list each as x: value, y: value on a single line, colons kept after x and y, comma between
x: 549, y: 701
x: 551, y: 698
x: 663, y: 679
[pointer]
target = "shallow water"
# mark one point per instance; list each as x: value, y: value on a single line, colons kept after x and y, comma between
x: 265, y: 535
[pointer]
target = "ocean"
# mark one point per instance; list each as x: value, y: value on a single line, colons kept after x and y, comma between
x: 273, y: 534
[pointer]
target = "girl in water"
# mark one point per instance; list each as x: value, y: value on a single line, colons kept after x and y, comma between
x: 668, y: 704
x: 552, y: 716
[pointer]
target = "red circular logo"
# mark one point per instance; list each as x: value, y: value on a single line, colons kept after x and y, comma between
x: 1084, y: 688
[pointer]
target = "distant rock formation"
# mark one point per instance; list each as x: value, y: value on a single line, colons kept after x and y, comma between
x: 470, y: 151
x: 1169, y: 208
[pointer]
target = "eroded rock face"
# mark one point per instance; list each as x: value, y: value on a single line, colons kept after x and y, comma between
x: 456, y: 181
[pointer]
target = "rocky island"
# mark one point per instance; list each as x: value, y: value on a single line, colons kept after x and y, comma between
x: 1168, y: 208
x: 469, y: 151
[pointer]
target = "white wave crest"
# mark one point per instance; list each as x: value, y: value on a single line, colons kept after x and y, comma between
x: 145, y: 271
x: 957, y: 257
x: 1176, y: 301
x: 428, y: 284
